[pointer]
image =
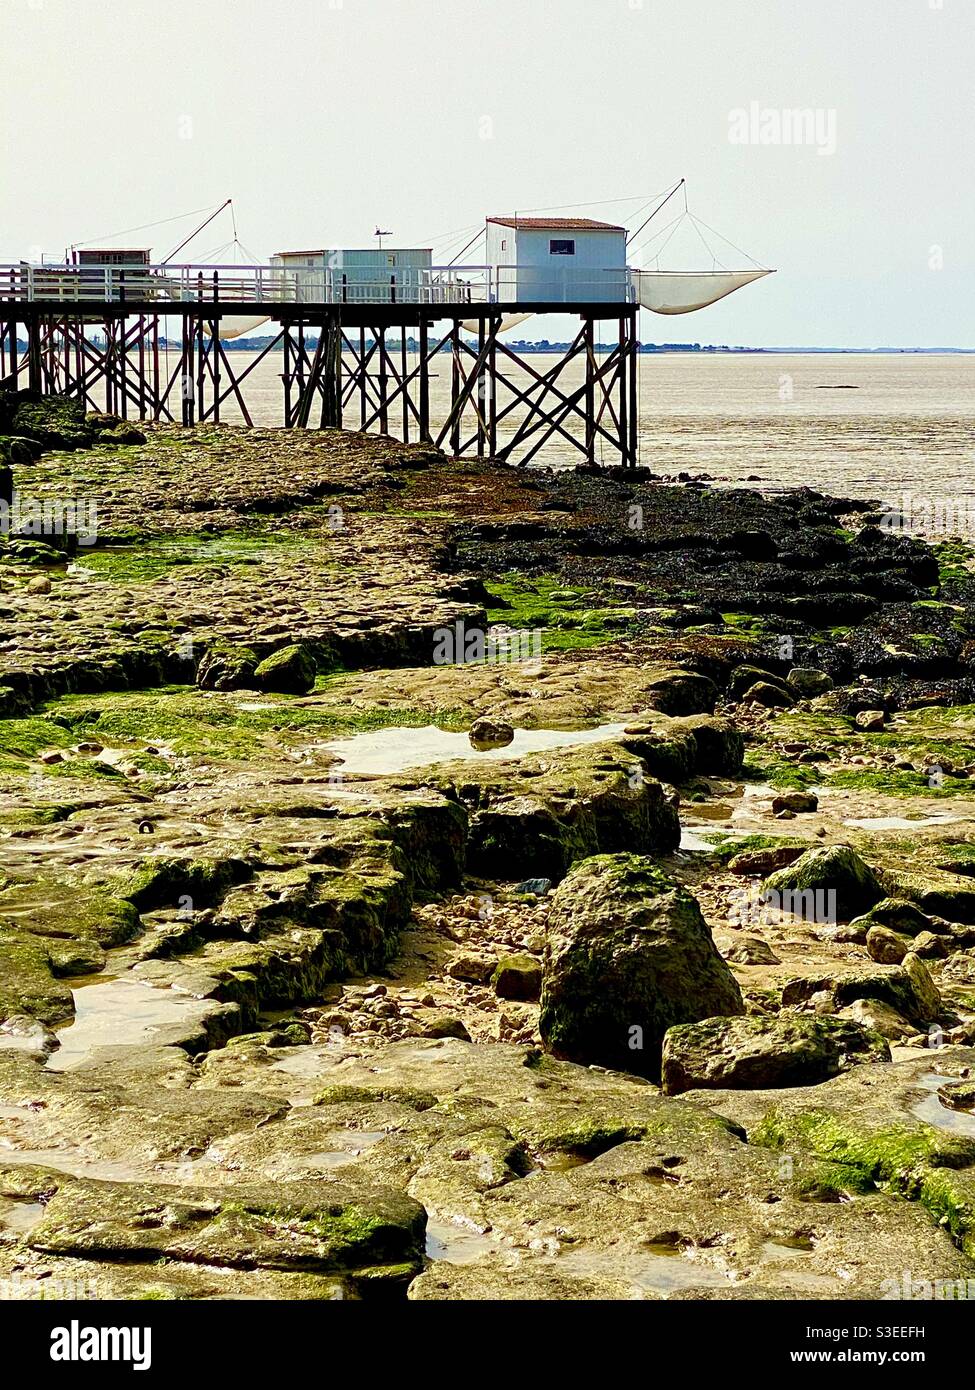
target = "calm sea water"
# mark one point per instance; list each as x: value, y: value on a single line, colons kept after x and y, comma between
x: 860, y: 425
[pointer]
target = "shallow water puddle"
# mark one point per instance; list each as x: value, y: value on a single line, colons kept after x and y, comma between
x: 694, y: 843
x: 123, y: 1013
x: 788, y: 1248
x: 899, y: 822
x: 396, y: 749
x: 658, y: 1269
x: 933, y: 1112
x: 19, y: 1215
x: 457, y: 1244
x: 73, y: 1162
x: 350, y: 1144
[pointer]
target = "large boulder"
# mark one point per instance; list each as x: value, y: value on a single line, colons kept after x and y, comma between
x: 810, y: 681
x: 54, y: 422
x: 681, y: 691
x: 16, y: 450
x: 666, y: 750
x: 847, y: 885
x: 537, y: 815
x: 908, y: 988
x: 755, y: 1053
x: 226, y: 667
x: 936, y: 891
x: 720, y: 745
x: 289, y: 671
x: 898, y: 915
x: 627, y: 955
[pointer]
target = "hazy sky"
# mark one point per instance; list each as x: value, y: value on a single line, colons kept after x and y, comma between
x: 323, y: 118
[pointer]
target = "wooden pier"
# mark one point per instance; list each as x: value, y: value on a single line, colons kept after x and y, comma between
x: 342, y: 364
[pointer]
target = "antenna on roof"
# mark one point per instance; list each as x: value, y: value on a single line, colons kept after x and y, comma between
x: 380, y: 234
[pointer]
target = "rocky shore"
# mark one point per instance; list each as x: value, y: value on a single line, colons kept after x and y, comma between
x: 633, y: 958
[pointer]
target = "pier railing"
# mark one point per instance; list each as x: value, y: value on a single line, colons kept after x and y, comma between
x: 274, y: 285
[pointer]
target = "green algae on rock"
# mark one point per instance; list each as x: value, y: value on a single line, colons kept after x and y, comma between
x: 837, y: 871
x: 536, y: 817
x: 290, y: 670
x: 627, y: 956
x: 756, y: 1052
x: 287, y: 1227
x: 51, y: 928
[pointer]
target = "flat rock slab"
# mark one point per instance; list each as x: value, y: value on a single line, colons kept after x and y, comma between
x: 28, y: 1275
x: 294, y: 1226
x: 543, y: 1179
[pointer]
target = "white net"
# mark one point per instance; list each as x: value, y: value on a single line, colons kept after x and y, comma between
x: 681, y: 292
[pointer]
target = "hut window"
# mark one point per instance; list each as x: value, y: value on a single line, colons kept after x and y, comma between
x: 562, y: 248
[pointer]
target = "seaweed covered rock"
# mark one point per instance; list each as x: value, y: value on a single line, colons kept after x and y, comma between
x: 18, y: 450
x: 298, y: 1226
x: 627, y: 956
x: 668, y: 751
x: 720, y: 746
x: 51, y: 927
x: 681, y: 691
x: 54, y: 422
x: 847, y: 885
x: 757, y: 1053
x: 517, y: 976
x: 227, y: 667
x: 28, y: 986
x: 288, y: 671
x: 907, y: 988
x: 536, y: 816
x: 936, y: 891
x: 165, y: 881
x: 896, y: 914
x: 121, y: 434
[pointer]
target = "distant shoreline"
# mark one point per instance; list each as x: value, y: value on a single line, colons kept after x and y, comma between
x: 650, y: 349
x: 716, y: 349
x: 257, y: 344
